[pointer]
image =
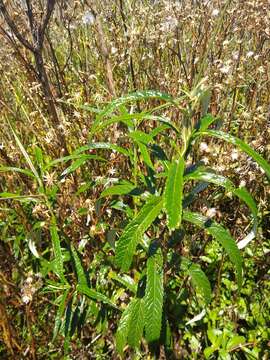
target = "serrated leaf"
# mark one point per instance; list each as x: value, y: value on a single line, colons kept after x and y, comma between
x: 125, y: 280
x: 198, y: 278
x: 123, y: 327
x: 59, y: 263
x: 95, y: 295
x: 154, y: 294
x: 82, y: 279
x: 243, y: 146
x: 173, y: 195
x: 136, y: 323
x: 128, y: 241
x: 222, y: 235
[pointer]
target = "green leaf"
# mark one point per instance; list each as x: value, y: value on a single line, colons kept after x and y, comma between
x: 235, y: 341
x: 60, y: 313
x: 206, y: 121
x: 158, y: 130
x: 211, y: 177
x: 126, y: 245
x: 173, y: 195
x: 154, y: 294
x: 79, y: 162
x: 136, y: 96
x: 141, y: 136
x: 22, y: 198
x: 123, y: 327
x: 198, y: 278
x: 125, y: 280
x: 241, y: 193
x: 95, y: 295
x: 120, y: 189
x: 243, y: 146
x: 15, y: 169
x: 223, y: 237
x: 59, y: 265
x: 136, y: 323
x: 102, y: 145
x: 82, y: 279
x: 27, y: 157
x: 145, y: 155
x: 245, y: 196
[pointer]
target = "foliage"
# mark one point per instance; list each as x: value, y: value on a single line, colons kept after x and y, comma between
x: 134, y: 224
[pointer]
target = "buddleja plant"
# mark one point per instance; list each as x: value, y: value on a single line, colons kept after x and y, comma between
x: 161, y: 207
x: 159, y: 194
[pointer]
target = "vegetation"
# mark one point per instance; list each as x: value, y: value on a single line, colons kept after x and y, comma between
x: 134, y: 164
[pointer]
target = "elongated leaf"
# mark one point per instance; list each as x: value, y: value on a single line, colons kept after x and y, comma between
x: 198, y: 278
x: 22, y: 198
x: 27, y: 157
x: 102, y: 145
x: 59, y: 265
x: 125, y: 280
x: 60, y: 313
x: 95, y: 295
x: 15, y: 169
x: 244, y: 195
x: 241, y: 193
x: 141, y: 136
x: 123, y: 327
x: 154, y: 295
x: 158, y: 130
x: 64, y: 159
x: 127, y: 243
x: 204, y: 175
x: 243, y: 146
x: 174, y: 193
x: 127, y: 119
x: 82, y: 279
x: 223, y: 237
x: 136, y: 323
x: 79, y: 162
x: 136, y: 96
x: 120, y: 189
x: 145, y: 155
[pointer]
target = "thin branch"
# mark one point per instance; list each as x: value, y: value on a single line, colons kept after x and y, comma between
x: 42, y: 27
x: 14, y: 28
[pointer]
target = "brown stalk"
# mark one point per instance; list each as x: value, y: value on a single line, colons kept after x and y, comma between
x: 36, y: 48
